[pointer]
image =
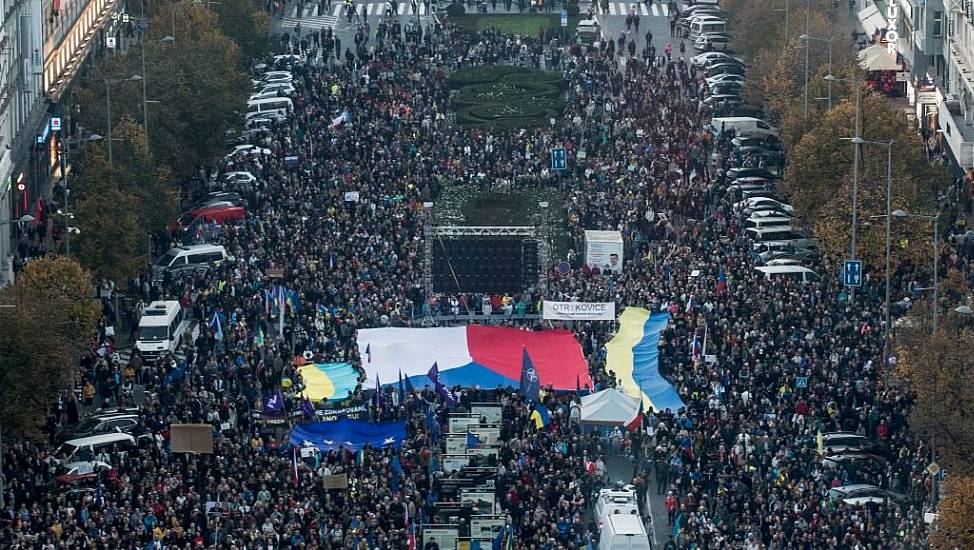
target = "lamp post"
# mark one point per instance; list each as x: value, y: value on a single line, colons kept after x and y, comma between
x: 145, y: 78
x: 888, y: 216
x: 63, y: 160
x: 856, y: 143
x: 806, y: 38
x: 108, y: 105
x: 787, y: 10
x: 935, y: 219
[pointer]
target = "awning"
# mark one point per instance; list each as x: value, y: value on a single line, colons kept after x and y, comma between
x: 872, y: 20
x: 878, y: 58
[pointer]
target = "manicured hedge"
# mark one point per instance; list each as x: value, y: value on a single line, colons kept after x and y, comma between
x: 483, y: 74
x: 504, y: 97
x: 455, y: 10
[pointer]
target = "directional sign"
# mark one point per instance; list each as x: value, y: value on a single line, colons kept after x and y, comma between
x: 852, y: 273
x: 564, y: 18
x: 559, y: 159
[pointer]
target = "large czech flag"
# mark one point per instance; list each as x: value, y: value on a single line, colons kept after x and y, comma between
x: 473, y: 355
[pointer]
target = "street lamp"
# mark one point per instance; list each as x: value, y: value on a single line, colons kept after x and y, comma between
x: 806, y: 38
x: 889, y: 201
x: 935, y: 219
x: 108, y: 104
x: 67, y: 189
x: 857, y: 142
x: 787, y: 10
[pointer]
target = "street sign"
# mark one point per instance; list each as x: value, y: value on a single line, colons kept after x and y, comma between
x: 110, y: 41
x: 55, y: 124
x: 852, y: 273
x: 933, y: 469
x: 559, y: 159
x: 801, y: 381
x: 564, y: 18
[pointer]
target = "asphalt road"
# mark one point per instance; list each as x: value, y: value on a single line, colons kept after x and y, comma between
x: 619, y: 468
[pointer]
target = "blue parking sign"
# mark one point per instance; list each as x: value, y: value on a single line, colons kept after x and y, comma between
x: 559, y: 159
x: 852, y: 273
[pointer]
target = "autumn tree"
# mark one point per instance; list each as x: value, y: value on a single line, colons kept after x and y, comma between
x: 955, y: 526
x: 53, y: 318
x: 819, y: 183
x: 935, y: 368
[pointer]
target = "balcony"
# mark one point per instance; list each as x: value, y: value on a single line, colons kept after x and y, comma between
x: 957, y: 132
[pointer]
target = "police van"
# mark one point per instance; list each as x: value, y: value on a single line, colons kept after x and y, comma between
x: 162, y: 329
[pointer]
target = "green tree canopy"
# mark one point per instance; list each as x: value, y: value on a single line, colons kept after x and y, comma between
x: 52, y: 321
x: 196, y: 87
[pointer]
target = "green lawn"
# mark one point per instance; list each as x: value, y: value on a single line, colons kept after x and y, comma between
x: 521, y: 24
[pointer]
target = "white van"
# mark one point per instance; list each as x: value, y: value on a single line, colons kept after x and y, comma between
x: 623, y: 532
x: 616, y: 501
x: 743, y: 126
x: 798, y: 273
x: 86, y: 448
x: 706, y: 25
x: 162, y: 328
x: 190, y: 258
x: 270, y: 105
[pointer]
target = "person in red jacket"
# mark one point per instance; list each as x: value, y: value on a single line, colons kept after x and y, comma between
x: 671, y: 504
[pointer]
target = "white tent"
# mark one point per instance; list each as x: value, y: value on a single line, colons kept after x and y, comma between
x: 878, y: 58
x: 609, y: 407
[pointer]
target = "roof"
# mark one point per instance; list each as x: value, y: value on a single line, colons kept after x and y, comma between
x: 159, y: 313
x: 99, y: 439
x: 783, y: 269
x: 626, y: 524
x: 603, y: 236
x: 609, y: 407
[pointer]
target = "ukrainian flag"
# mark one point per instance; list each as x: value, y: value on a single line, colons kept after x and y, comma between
x: 633, y: 354
x: 328, y: 380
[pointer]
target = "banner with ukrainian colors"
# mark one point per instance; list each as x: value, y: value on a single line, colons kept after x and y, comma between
x: 332, y: 381
x: 633, y: 354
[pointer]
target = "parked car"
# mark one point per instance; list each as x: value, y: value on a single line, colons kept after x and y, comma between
x: 724, y: 99
x: 102, y: 424
x: 713, y: 42
x: 766, y: 203
x: 724, y: 60
x: 854, y: 459
x: 218, y: 212
x: 75, y: 472
x: 731, y: 88
x: 842, y: 442
x: 725, y: 78
x: 217, y: 198
x: 744, y: 172
x: 767, y: 142
x: 248, y: 150
x: 807, y: 255
x: 861, y: 494
x: 236, y: 177
x: 702, y: 59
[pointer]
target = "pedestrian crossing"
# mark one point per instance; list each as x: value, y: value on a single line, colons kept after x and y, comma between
x: 625, y: 8
x: 340, y: 9
x: 313, y: 23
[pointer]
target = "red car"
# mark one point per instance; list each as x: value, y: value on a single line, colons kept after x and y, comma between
x: 219, y: 212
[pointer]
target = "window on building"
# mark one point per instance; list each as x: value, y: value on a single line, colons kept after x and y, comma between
x: 938, y: 24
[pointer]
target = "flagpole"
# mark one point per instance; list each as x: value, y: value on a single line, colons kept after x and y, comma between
x: 706, y: 325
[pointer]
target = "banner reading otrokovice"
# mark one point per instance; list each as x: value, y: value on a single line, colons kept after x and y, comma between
x: 580, y: 311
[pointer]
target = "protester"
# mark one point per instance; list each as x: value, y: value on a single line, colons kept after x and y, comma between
x: 738, y: 465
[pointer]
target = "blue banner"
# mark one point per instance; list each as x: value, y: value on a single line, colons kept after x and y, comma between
x: 349, y: 434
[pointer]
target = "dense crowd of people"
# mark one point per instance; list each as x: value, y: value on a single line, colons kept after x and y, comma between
x: 738, y: 465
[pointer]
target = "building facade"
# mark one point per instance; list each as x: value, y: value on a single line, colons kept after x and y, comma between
x: 46, y: 44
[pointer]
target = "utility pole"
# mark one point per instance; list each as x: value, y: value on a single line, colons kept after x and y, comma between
x: 855, y: 178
